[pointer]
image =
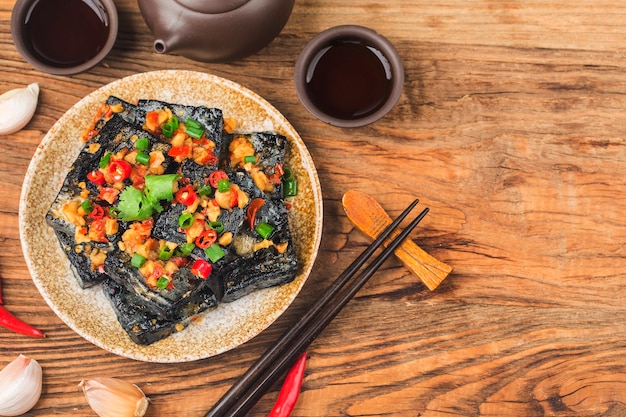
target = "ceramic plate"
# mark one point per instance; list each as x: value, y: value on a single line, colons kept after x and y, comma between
x: 231, y: 324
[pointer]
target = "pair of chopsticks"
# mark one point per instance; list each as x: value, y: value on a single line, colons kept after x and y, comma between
x: 252, y: 385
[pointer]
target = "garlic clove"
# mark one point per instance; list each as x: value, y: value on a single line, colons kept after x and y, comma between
x: 20, y: 386
x: 112, y: 397
x: 17, y: 107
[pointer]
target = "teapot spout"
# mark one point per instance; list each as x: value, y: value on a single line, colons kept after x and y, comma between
x: 160, y: 46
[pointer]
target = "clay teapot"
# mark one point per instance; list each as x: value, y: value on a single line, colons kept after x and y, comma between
x: 214, y: 30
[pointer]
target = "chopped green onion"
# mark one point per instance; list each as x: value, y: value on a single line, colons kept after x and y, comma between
x: 137, y: 260
x: 249, y: 159
x: 214, y: 252
x: 104, y: 162
x: 217, y: 226
x: 166, y: 252
x: 173, y: 121
x: 162, y: 282
x: 205, y: 190
x: 87, y: 206
x: 194, y: 132
x: 142, y: 158
x: 167, y: 130
x: 223, y: 186
x: 185, y: 250
x: 288, y: 175
x: 185, y: 220
x: 142, y: 144
x: 193, y: 123
x: 290, y: 185
x: 160, y: 187
x: 264, y: 229
x: 290, y: 188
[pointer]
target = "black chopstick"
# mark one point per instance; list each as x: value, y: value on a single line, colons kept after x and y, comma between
x: 253, y: 384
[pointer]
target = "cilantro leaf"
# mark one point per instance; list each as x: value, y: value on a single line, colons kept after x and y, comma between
x: 134, y: 205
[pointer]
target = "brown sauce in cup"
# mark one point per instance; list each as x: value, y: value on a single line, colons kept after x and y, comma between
x: 349, y: 80
x: 65, y: 33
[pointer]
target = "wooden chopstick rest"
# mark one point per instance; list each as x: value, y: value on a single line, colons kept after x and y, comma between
x: 371, y: 219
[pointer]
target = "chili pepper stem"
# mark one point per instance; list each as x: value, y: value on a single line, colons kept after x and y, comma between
x: 9, y: 321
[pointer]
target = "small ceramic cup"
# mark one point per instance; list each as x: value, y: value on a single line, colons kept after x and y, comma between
x: 349, y: 76
x: 64, y: 37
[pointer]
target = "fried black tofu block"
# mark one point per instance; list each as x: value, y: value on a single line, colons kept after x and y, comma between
x: 257, y: 262
x: 80, y: 261
x: 211, y: 119
x: 141, y: 324
x: 77, y: 234
x: 269, y: 151
x: 188, y: 293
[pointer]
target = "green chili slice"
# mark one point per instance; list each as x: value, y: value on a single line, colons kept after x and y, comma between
x: 249, y: 159
x: 87, y: 206
x: 142, y: 144
x: 264, y: 229
x: 104, y: 162
x: 137, y: 260
x: 217, y: 226
x: 223, y: 186
x: 185, y: 220
x: 205, y: 190
x: 214, y: 252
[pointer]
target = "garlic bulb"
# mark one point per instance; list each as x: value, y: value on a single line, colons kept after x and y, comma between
x: 111, y: 397
x: 17, y: 107
x: 20, y: 386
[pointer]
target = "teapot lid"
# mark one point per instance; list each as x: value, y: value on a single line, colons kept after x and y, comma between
x: 212, y: 6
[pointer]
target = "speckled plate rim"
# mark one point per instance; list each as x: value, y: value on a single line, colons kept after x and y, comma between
x: 88, y: 312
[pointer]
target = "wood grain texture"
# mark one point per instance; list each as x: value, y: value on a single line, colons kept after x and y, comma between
x: 511, y: 129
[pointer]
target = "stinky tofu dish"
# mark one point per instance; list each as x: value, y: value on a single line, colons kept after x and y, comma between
x: 172, y: 212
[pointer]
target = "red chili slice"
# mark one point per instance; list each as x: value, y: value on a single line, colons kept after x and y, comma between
x: 119, y: 170
x: 206, y: 239
x: 96, y: 177
x: 217, y: 176
x: 97, y: 212
x: 202, y: 268
x: 186, y: 195
x: 253, y: 208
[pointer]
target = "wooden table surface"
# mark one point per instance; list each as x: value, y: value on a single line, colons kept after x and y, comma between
x: 511, y: 128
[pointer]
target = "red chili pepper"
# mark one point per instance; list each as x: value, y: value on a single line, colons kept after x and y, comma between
x: 289, y: 392
x: 186, y: 195
x: 253, y: 208
x: 96, y: 177
x: 206, y: 239
x: 217, y: 176
x: 12, y: 323
x: 119, y: 170
x: 234, y: 197
x: 201, y: 268
x: 183, y: 151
